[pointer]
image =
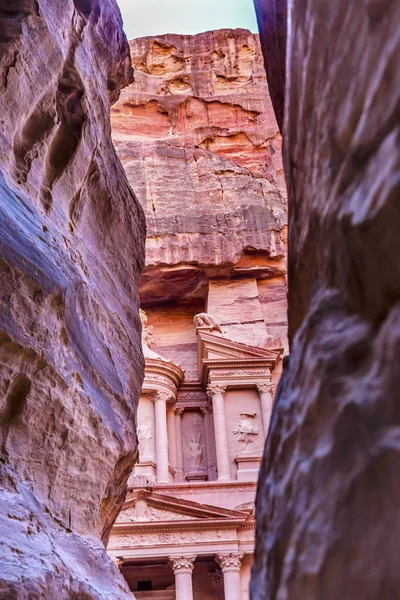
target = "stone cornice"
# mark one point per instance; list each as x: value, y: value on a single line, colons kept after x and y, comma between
x: 189, y: 526
x: 202, y: 487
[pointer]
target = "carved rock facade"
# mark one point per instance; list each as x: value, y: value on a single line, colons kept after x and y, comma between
x: 326, y: 508
x: 197, y: 136
x: 70, y: 353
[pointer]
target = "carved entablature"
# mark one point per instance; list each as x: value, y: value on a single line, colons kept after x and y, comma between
x: 163, y: 524
x: 191, y: 395
x: 173, y: 538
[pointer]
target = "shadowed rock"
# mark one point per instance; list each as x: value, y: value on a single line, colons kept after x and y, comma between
x: 71, y: 252
x: 327, y: 523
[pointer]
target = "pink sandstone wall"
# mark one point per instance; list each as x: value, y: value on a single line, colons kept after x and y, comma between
x: 199, y: 142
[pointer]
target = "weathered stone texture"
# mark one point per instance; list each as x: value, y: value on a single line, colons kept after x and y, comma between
x: 199, y: 141
x: 71, y: 251
x: 327, y: 500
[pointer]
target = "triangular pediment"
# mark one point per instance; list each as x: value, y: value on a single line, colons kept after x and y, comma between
x: 217, y: 350
x: 148, y: 507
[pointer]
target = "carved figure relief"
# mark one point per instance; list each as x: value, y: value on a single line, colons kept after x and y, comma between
x: 148, y: 338
x: 140, y: 481
x: 195, y: 450
x: 140, y: 513
x: 145, y: 437
x: 246, y: 431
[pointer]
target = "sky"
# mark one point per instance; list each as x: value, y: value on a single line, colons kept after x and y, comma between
x: 155, y: 17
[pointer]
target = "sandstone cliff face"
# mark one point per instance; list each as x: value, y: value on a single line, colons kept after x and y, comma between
x: 201, y: 147
x: 327, y: 500
x: 71, y: 248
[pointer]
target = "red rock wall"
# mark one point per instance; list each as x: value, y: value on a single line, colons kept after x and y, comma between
x: 327, y: 500
x: 200, y: 145
x: 197, y: 136
x: 71, y: 248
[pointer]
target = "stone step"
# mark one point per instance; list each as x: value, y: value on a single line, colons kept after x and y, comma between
x: 156, y: 595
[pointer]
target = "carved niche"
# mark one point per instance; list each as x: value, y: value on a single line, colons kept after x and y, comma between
x: 194, y: 450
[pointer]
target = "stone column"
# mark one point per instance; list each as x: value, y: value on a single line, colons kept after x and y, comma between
x: 160, y: 410
x: 182, y: 567
x: 171, y: 436
x: 221, y: 438
x: 206, y: 410
x: 266, y: 390
x: 230, y: 564
x: 178, y: 444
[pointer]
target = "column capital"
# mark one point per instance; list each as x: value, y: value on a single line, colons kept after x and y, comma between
x: 163, y: 396
x: 182, y: 564
x: 230, y: 561
x: 266, y: 388
x: 206, y: 409
x: 214, y: 389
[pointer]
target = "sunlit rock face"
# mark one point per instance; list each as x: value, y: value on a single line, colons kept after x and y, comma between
x: 327, y: 500
x: 71, y: 247
x: 198, y: 138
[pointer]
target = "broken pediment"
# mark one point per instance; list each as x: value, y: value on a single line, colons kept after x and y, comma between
x: 216, y: 352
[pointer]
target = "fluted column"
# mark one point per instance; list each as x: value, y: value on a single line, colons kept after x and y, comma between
x: 182, y: 567
x: 160, y: 411
x: 266, y: 399
x: 221, y: 438
x: 171, y: 436
x: 178, y: 437
x: 230, y: 564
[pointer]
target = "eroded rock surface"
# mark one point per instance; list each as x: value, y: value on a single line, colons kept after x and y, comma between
x: 327, y: 500
x: 71, y: 248
x: 201, y: 147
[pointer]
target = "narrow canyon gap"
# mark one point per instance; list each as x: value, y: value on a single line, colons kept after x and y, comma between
x: 327, y: 504
x: 72, y: 249
x: 197, y: 136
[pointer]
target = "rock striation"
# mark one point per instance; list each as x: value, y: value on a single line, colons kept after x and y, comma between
x: 71, y: 252
x: 326, y: 508
x: 197, y: 136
